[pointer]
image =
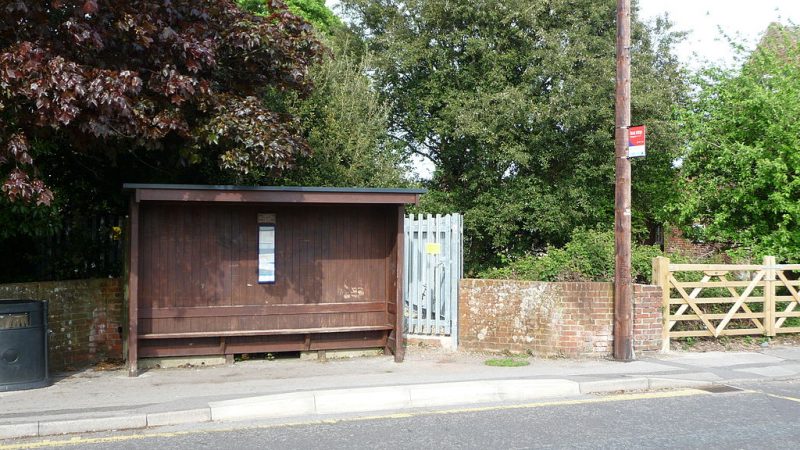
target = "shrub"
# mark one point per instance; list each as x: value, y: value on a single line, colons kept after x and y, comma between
x: 589, y: 256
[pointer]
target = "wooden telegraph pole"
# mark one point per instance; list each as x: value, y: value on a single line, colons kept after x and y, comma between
x: 623, y: 285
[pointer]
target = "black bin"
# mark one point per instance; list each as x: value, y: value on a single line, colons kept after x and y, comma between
x: 23, y: 344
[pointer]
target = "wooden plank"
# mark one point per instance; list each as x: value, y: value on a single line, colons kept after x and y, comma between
x: 769, y: 296
x: 227, y: 262
x: 217, y: 255
x: 360, y: 234
x: 713, y: 267
x: 713, y: 300
x: 715, y: 284
x: 297, y: 257
x: 171, y: 269
x: 265, y: 310
x: 383, y: 240
x: 163, y: 352
x: 789, y: 330
x: 145, y: 282
x: 746, y: 315
x: 179, y: 291
x: 291, y: 331
x: 196, y: 255
x: 700, y: 333
x: 321, y: 253
x: 159, y: 274
x: 133, y: 291
x: 238, y: 281
x: 152, y: 245
x: 348, y: 344
x: 235, y: 196
x: 264, y: 347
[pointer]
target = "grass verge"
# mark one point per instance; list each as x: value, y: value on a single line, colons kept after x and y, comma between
x: 507, y: 362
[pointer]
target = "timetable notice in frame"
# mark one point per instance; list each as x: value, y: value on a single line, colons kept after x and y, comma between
x: 266, y: 253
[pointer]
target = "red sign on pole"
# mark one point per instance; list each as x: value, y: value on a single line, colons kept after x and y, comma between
x: 636, y: 141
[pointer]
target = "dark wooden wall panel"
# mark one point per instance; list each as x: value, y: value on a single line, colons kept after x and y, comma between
x: 205, y: 255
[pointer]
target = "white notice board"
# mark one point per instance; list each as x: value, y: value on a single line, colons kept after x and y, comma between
x: 266, y: 253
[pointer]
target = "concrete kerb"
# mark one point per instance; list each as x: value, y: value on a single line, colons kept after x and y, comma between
x: 642, y: 384
x: 267, y: 406
x: 126, y: 422
x: 19, y: 430
x: 676, y: 383
x: 92, y: 425
x: 341, y: 401
x: 613, y: 385
x: 199, y: 415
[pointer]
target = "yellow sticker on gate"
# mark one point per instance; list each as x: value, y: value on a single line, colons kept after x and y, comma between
x: 433, y: 248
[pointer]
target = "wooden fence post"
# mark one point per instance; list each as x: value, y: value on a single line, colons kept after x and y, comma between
x: 769, y: 295
x: 661, y: 278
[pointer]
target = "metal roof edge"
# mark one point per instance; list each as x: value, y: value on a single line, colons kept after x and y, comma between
x: 202, y: 187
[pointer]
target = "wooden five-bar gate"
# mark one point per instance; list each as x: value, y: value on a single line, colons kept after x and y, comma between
x: 728, y: 299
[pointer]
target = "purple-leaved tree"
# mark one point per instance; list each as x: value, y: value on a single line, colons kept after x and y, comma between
x: 185, y: 75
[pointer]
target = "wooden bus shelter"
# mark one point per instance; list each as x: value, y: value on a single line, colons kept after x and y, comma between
x: 221, y: 270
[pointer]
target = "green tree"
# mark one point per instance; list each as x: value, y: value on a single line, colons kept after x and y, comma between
x: 345, y: 123
x: 741, y: 172
x: 344, y: 119
x: 512, y: 102
x: 93, y: 94
x: 183, y: 77
x: 314, y: 11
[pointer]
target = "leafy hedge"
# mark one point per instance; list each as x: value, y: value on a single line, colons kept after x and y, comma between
x: 589, y: 256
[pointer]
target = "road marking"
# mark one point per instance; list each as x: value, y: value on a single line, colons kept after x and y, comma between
x: 103, y: 440
x: 582, y: 401
x: 78, y: 440
x: 783, y: 397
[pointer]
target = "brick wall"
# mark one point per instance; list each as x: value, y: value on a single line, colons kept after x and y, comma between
x: 675, y: 242
x: 85, y: 318
x: 547, y: 319
x: 647, y: 318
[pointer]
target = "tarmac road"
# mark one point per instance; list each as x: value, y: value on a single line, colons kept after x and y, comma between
x: 761, y: 415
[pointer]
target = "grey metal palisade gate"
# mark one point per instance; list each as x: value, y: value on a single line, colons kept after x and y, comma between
x: 433, y: 266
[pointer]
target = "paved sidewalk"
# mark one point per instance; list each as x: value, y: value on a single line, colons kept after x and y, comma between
x: 106, y: 400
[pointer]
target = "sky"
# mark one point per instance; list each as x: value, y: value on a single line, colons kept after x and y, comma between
x: 704, y: 18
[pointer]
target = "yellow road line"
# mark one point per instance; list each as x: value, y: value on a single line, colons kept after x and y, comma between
x: 78, y: 440
x: 783, y: 397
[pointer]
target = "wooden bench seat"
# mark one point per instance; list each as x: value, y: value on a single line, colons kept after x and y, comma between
x: 202, y: 334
